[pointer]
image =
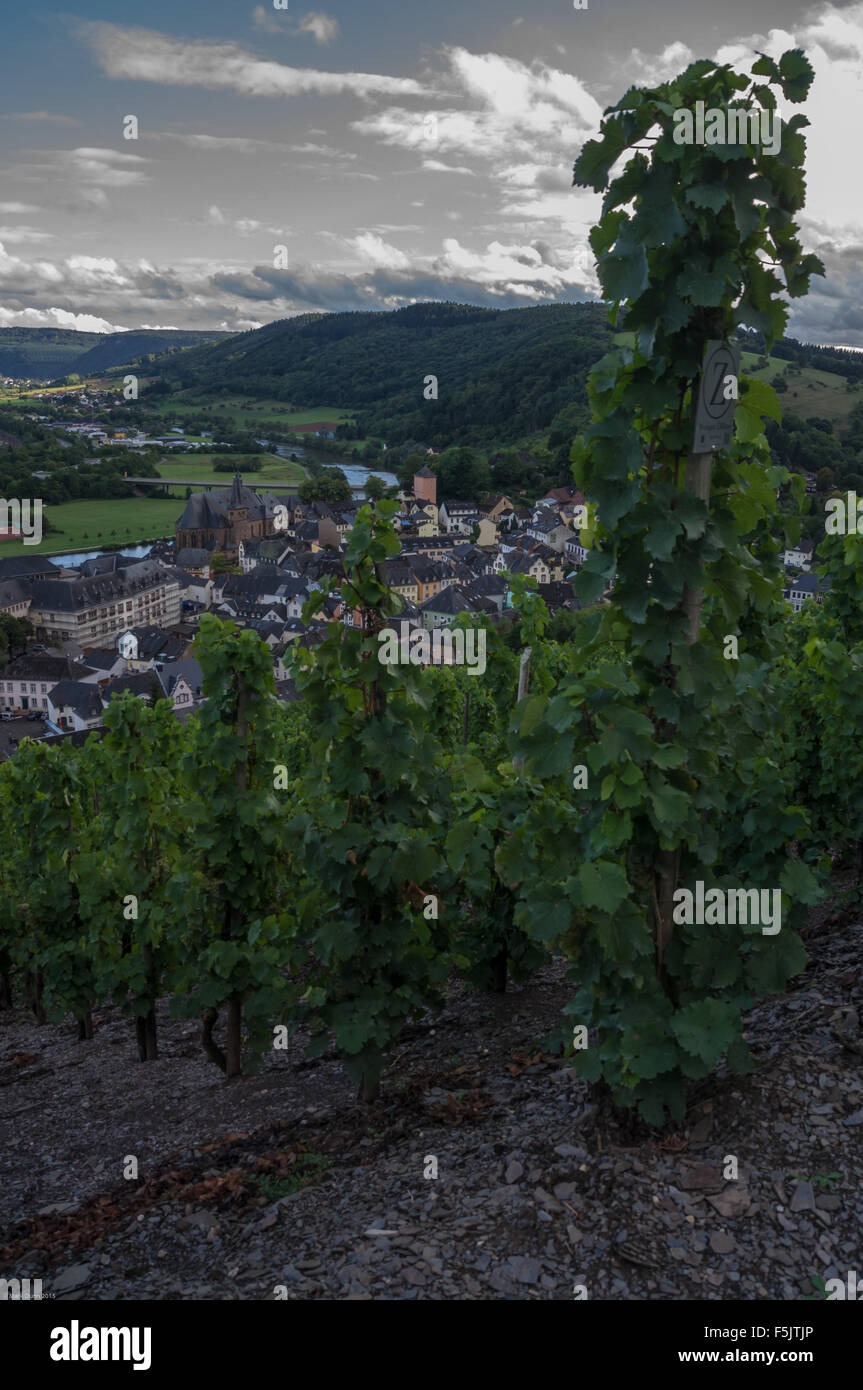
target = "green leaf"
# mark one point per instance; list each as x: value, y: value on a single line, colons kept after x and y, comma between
x: 603, y: 885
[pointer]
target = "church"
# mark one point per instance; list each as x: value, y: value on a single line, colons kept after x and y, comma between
x: 220, y: 518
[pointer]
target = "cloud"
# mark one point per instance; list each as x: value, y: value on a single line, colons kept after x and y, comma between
x: 45, y: 116
x: 327, y: 151
x: 18, y: 207
x: 650, y: 69
x: 437, y: 166
x: 218, y: 144
x: 322, y: 26
x: 104, y: 167
x: 375, y: 251
x: 95, y: 283
x: 30, y: 235
x: 506, y: 110
x: 243, y: 226
x: 56, y: 318
x: 142, y: 55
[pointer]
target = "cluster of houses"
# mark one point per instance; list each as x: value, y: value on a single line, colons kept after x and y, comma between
x: 117, y: 623
x: 800, y: 584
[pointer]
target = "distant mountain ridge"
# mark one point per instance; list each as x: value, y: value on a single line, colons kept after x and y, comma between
x: 501, y: 374
x: 46, y: 353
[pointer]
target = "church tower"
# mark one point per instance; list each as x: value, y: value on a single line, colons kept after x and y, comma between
x: 425, y: 485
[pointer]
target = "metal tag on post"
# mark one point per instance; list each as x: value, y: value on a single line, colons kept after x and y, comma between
x: 717, y: 398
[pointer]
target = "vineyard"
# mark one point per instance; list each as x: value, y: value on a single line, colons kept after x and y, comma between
x: 317, y: 879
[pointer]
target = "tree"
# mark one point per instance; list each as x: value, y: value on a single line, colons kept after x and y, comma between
x: 233, y: 884
x: 48, y: 803
x: 223, y: 564
x: 125, y: 882
x: 375, y: 488
x: 14, y: 636
x: 369, y: 838
x: 686, y: 248
x: 330, y: 486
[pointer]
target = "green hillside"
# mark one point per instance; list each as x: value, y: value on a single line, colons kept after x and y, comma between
x: 501, y: 373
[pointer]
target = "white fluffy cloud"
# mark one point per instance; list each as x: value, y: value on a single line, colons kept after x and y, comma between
x: 507, y: 109
x: 373, y: 250
x: 56, y: 318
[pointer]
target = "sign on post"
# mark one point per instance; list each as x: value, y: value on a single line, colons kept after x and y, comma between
x: 717, y: 398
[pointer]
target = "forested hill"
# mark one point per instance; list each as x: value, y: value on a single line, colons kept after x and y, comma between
x: 43, y: 354
x: 501, y: 373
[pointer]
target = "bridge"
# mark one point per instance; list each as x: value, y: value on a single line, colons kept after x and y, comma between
x: 200, y: 485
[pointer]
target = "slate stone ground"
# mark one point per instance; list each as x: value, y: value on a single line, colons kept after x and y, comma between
x: 538, y: 1189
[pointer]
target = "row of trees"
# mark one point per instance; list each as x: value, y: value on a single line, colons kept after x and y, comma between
x: 327, y: 865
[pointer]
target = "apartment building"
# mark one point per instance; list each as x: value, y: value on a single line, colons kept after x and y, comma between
x: 89, y: 611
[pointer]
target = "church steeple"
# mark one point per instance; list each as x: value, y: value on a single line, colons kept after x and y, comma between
x: 238, y: 509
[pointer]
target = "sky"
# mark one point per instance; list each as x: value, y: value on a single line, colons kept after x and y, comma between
x: 368, y: 155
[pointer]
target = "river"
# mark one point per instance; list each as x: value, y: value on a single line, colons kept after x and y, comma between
x: 356, y: 473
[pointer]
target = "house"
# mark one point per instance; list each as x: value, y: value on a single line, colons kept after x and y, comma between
x: 444, y: 608
x: 573, y: 549
x: 106, y: 662
x: 75, y: 705
x: 532, y: 564
x: 402, y: 580
x: 183, y: 682
x: 559, y: 594
x: 424, y: 517
x: 14, y: 598
x: 27, y: 682
x: 487, y: 536
x: 550, y: 530
x: 194, y: 591
x: 495, y: 506
x: 458, y: 516
x: 800, y: 556
x: 145, y: 685
x: 563, y: 495
x: 196, y: 560
x: 802, y: 587
x: 141, y: 647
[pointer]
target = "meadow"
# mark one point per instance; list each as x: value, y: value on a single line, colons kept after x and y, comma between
x: 274, y: 471
x: 810, y: 392
x: 90, y: 524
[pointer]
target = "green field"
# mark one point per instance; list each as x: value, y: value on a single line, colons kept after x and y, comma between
x: 91, y: 525
x: 813, y: 392
x: 200, y: 467
x: 242, y: 411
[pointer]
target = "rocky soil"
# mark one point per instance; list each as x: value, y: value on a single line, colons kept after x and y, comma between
x: 281, y: 1185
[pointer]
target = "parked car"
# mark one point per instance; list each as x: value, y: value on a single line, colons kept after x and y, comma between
x: 34, y: 716
x: 7, y: 714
